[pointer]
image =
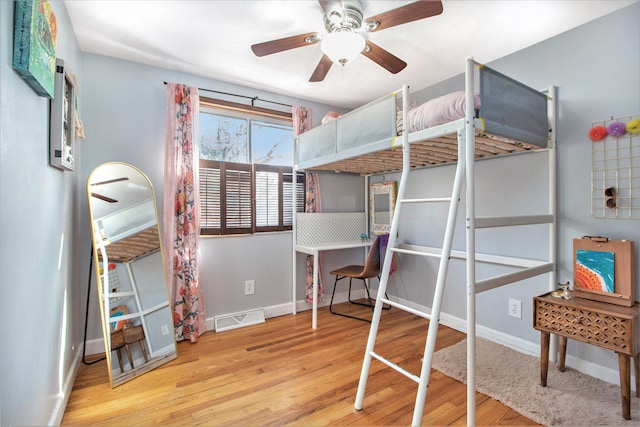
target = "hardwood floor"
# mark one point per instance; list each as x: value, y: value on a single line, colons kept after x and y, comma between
x: 283, y: 372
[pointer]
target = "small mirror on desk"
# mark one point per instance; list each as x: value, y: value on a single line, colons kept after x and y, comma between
x: 382, y: 202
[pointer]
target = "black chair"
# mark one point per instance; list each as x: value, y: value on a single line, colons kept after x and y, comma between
x: 370, y: 269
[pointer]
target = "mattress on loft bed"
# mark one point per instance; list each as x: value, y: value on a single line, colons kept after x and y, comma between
x: 436, y: 111
x: 363, y: 141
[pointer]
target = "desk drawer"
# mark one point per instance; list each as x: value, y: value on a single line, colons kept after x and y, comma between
x: 133, y: 334
x: 606, y: 330
x: 117, y: 339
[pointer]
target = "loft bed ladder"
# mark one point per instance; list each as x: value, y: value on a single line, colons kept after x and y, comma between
x: 529, y: 268
x: 434, y: 316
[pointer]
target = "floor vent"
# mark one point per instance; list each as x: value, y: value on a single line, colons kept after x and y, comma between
x: 238, y: 320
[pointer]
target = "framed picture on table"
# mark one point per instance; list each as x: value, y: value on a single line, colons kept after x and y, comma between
x: 603, y: 270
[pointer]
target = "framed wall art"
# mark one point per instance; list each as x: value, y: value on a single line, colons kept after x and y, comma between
x: 62, y: 121
x: 34, y: 45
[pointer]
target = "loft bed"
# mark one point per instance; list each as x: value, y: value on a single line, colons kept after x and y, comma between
x: 133, y: 247
x: 494, y: 116
x: 129, y: 233
x: 510, y: 118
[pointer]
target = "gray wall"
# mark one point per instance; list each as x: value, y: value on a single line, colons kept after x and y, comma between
x: 42, y: 305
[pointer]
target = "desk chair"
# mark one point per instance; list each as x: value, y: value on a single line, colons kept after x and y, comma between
x: 370, y: 269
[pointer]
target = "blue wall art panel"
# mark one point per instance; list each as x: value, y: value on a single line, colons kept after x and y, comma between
x: 34, y: 45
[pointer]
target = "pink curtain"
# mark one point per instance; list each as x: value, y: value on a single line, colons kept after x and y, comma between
x: 313, y: 204
x: 301, y: 119
x: 302, y: 123
x: 181, y: 212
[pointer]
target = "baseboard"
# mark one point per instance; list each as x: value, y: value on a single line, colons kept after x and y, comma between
x: 62, y: 398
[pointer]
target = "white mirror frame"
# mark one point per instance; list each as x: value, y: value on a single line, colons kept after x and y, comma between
x: 388, y: 189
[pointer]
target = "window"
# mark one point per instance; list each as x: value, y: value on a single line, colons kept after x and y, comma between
x: 247, y: 180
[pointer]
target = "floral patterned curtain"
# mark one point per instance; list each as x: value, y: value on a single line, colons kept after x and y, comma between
x: 301, y: 119
x: 302, y: 123
x: 313, y: 204
x: 181, y: 212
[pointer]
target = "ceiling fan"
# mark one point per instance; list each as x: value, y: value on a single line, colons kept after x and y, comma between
x: 348, y: 34
x: 110, y: 181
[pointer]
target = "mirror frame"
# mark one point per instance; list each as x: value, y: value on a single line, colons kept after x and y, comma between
x: 387, y: 188
x: 144, y: 246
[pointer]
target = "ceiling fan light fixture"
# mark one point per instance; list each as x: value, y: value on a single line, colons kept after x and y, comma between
x: 342, y: 47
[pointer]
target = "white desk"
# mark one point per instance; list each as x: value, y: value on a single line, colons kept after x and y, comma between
x: 315, y: 251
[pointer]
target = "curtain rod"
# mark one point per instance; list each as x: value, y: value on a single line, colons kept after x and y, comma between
x: 252, y: 98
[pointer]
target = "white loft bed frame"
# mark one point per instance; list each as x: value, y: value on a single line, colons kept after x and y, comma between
x: 468, y: 139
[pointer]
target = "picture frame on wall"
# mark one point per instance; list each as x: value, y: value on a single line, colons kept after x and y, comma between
x: 34, y: 45
x: 62, y: 121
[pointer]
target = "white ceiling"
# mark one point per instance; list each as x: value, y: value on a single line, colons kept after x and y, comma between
x: 214, y: 38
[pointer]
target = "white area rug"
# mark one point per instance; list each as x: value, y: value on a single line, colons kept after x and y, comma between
x: 570, y: 398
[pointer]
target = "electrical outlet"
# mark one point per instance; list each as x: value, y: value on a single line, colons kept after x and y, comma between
x: 165, y: 330
x: 249, y: 287
x: 515, y: 308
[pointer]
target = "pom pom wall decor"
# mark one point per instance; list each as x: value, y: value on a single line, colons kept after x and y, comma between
x: 633, y: 126
x: 598, y: 133
x: 616, y: 129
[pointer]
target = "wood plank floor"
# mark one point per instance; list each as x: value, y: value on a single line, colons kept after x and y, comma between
x: 283, y: 372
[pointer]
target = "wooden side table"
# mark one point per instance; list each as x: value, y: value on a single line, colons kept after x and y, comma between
x: 125, y: 336
x: 606, y: 325
x: 131, y: 335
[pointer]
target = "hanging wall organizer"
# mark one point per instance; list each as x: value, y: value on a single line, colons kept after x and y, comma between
x: 615, y: 168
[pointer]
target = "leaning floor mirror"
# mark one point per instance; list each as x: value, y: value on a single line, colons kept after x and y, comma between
x: 132, y: 288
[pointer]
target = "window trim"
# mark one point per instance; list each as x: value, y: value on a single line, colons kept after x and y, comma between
x: 242, y: 109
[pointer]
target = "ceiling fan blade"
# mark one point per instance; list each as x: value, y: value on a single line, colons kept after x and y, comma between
x: 389, y: 62
x: 111, y: 181
x: 280, y: 45
x: 404, y: 14
x: 105, y: 198
x: 321, y: 69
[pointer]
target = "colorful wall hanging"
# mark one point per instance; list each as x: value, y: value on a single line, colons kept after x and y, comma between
x: 34, y: 45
